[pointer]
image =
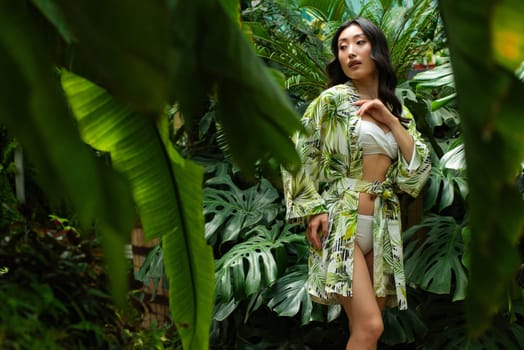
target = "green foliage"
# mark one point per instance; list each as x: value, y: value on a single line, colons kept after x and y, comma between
x: 410, y: 27
x: 447, y: 179
x: 243, y: 85
x: 404, y: 326
x: 54, y: 292
x: 152, y: 270
x: 489, y: 98
x: 448, y: 328
x: 8, y: 212
x: 286, y: 42
x: 295, y: 37
x: 153, y: 338
x: 231, y: 210
x: 253, y: 243
x: 431, y: 97
x: 36, y: 113
x: 148, y: 56
x: 256, y: 253
x: 168, y: 206
x: 168, y: 63
x: 290, y: 295
x: 433, y: 258
x: 260, y: 270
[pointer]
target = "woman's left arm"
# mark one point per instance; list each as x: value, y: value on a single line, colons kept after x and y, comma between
x: 376, y: 109
x: 414, y: 162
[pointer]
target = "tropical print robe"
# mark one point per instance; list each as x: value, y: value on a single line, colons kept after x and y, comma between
x: 330, y: 181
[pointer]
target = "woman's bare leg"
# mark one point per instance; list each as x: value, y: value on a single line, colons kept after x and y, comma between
x: 362, y: 308
x: 369, y: 262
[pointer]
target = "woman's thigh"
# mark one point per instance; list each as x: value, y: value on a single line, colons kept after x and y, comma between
x: 362, y: 306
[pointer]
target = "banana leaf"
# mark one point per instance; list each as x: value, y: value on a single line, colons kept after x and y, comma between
x: 485, y: 43
x: 168, y: 194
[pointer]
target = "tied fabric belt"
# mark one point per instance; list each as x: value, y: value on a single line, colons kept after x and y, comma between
x: 379, y: 189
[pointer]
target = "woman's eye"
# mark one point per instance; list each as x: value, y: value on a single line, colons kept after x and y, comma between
x: 361, y: 42
x: 342, y: 47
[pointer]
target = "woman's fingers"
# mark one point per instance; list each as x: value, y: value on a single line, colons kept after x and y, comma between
x: 375, y: 109
x: 312, y: 234
x: 324, y: 228
x: 317, y: 228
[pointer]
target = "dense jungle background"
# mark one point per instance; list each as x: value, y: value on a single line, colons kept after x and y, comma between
x: 171, y: 119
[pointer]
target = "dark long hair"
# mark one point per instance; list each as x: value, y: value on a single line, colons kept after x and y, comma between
x: 387, y: 79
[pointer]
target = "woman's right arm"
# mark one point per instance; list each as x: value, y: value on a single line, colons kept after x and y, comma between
x: 301, y: 190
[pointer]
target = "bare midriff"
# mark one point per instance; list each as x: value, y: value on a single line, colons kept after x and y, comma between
x: 375, y: 168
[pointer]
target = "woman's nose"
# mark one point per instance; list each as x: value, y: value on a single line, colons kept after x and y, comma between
x: 351, y: 51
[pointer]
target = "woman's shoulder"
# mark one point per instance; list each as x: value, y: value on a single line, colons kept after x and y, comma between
x: 346, y: 90
x: 337, y: 94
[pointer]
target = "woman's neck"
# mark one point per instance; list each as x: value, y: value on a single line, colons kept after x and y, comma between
x: 367, y: 89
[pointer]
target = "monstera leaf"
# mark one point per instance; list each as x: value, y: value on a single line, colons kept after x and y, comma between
x: 257, y: 255
x: 433, y: 258
x: 233, y: 210
x: 291, y: 296
x: 447, y: 178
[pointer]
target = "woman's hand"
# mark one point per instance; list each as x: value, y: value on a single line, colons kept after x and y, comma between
x: 317, y: 229
x: 376, y: 110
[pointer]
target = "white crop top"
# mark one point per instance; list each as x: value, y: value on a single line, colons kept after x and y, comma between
x: 374, y: 140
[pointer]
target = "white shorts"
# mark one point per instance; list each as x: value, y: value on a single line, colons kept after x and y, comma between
x: 364, y: 234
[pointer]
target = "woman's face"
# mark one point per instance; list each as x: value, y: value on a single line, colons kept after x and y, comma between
x: 354, y: 54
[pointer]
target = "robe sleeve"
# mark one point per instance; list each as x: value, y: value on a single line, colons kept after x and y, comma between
x: 412, y: 175
x: 301, y: 190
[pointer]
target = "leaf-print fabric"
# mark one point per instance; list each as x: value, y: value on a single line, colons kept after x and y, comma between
x: 330, y: 181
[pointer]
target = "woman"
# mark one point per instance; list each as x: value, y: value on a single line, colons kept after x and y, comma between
x: 361, y: 148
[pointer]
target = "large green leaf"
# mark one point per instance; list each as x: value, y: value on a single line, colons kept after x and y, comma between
x: 447, y: 178
x: 433, y: 258
x: 126, y: 49
x: 187, y: 255
x: 489, y: 97
x: 234, y: 210
x: 33, y: 107
x: 54, y: 15
x: 290, y: 294
x: 255, y: 115
x: 438, y: 77
x: 168, y: 194
x: 257, y: 255
x: 508, y: 33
